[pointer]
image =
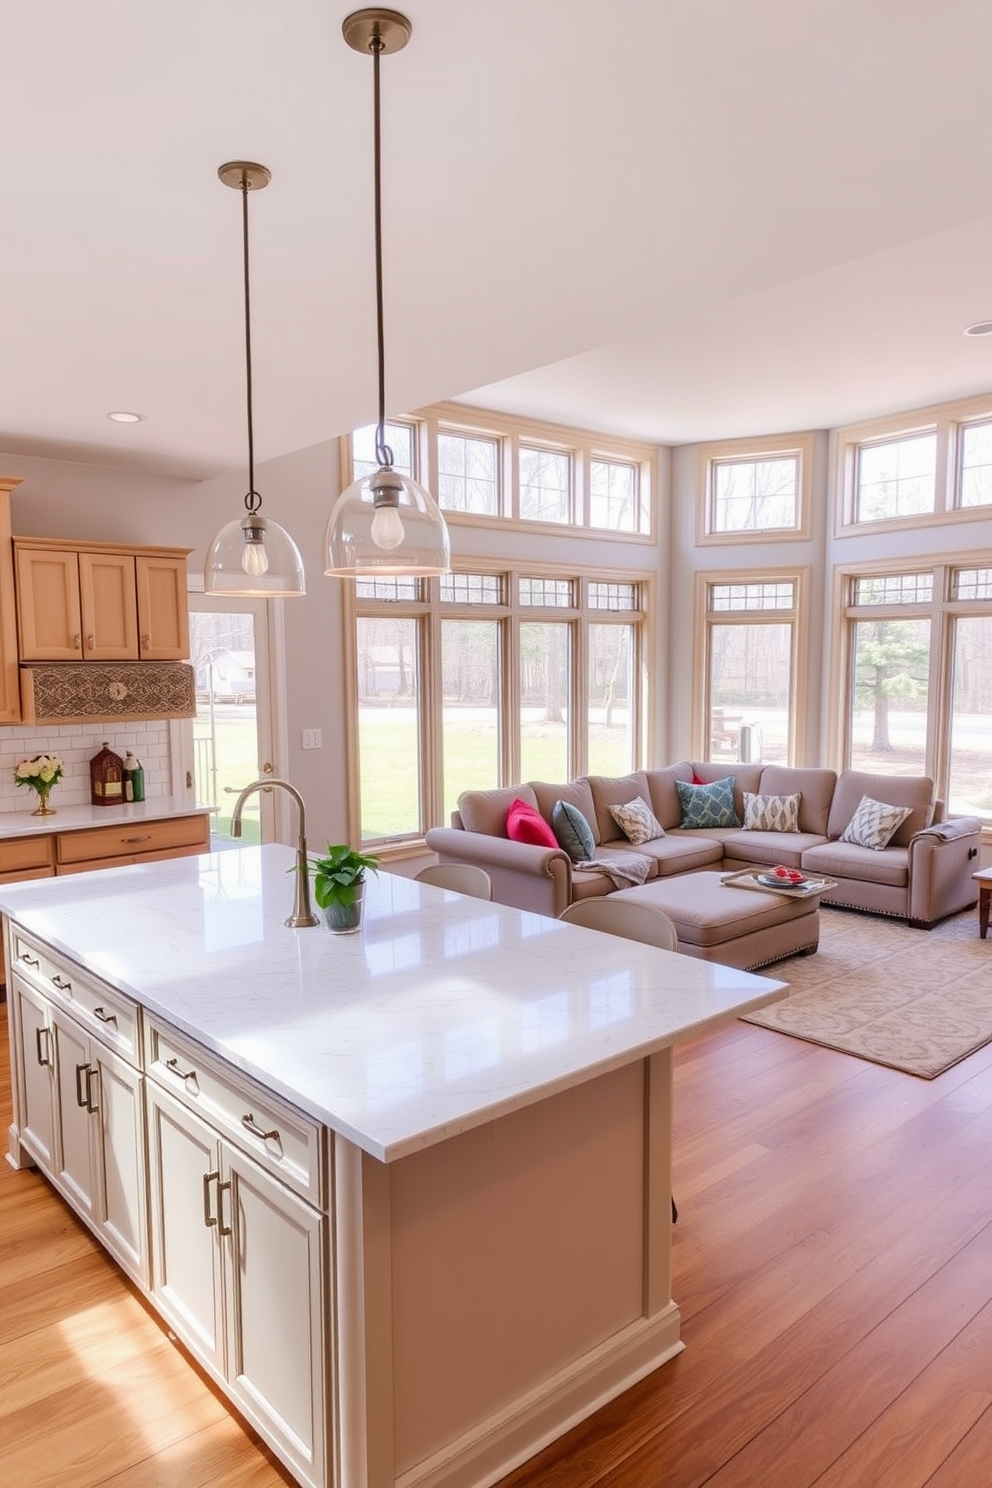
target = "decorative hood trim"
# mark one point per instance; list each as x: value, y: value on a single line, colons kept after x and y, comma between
x: 85, y: 692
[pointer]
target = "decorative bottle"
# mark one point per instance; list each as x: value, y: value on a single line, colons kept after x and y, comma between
x: 106, y: 778
x: 134, y: 779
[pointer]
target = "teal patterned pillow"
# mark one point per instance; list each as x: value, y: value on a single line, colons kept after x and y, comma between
x: 708, y: 805
x: 573, y: 832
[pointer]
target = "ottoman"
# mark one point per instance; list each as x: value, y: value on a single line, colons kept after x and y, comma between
x: 739, y: 927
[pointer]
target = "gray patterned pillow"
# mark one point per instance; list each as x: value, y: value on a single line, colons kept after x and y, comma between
x: 573, y: 832
x: 771, y: 813
x: 637, y: 821
x: 874, y: 824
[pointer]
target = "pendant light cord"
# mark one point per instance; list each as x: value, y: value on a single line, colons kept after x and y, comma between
x: 382, y: 451
x: 252, y: 500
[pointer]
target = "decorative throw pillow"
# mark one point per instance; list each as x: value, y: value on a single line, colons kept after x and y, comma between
x: 525, y: 824
x: 708, y: 805
x: 771, y: 813
x: 637, y: 821
x: 874, y: 824
x: 573, y: 832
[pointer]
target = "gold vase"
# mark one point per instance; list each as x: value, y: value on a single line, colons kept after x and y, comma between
x: 43, y: 807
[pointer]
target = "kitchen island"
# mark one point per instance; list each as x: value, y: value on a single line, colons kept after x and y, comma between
x: 405, y: 1194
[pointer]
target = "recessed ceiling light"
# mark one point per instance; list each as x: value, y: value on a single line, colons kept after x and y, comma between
x: 137, y: 418
x: 980, y: 328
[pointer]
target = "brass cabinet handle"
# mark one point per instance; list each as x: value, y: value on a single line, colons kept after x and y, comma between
x: 208, y: 1218
x: 91, y: 642
x: 77, y: 641
x: 46, y: 1058
x: 144, y: 838
x: 222, y: 1228
x: 105, y: 1017
x: 249, y: 1123
x: 146, y: 640
x: 57, y: 981
x: 173, y: 1065
x: 30, y: 960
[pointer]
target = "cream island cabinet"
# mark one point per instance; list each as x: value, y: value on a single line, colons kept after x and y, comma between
x: 406, y: 1193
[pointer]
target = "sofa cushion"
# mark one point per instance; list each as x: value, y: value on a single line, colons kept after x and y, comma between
x: 573, y: 832
x: 874, y: 824
x: 524, y: 823
x: 614, y: 790
x: 816, y: 787
x: 637, y: 821
x: 664, y: 798
x: 576, y: 793
x: 771, y: 813
x: 708, y: 805
x: 745, y: 778
x: 485, y: 810
x: 847, y: 861
x: 896, y: 790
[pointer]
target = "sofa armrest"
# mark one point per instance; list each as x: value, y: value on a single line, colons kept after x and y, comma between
x: 525, y: 876
x: 942, y: 859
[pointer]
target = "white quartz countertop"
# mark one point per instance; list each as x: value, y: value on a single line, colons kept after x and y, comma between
x: 76, y: 818
x: 442, y: 1013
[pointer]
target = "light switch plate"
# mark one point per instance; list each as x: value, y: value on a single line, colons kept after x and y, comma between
x: 312, y: 739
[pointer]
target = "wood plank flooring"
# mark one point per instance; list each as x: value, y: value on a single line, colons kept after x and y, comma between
x: 833, y: 1263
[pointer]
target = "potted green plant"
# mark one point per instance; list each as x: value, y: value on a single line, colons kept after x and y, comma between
x: 339, y: 885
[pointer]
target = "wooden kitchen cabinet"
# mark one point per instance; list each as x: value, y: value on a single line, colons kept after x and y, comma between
x: 130, y: 842
x: 10, y: 691
x: 100, y: 602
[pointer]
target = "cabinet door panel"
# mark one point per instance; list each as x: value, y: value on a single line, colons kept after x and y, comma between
x: 275, y: 1312
x: 35, y: 1073
x: 122, y: 1157
x: 163, y: 608
x: 77, y: 1081
x: 185, y: 1253
x: 108, y: 607
x: 48, y: 613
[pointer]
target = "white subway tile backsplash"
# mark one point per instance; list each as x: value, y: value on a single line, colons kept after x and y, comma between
x: 76, y: 744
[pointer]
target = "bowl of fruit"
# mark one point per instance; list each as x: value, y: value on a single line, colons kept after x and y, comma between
x: 782, y: 877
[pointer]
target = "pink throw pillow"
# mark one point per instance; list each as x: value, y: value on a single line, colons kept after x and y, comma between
x: 524, y: 824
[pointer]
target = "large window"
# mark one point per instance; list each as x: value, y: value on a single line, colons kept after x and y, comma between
x: 484, y: 466
x: 928, y: 466
x: 917, y: 668
x: 749, y: 701
x: 483, y: 678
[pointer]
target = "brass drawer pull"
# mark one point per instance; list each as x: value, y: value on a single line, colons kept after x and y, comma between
x: 187, y: 1075
x: 30, y: 960
x: 57, y: 981
x: 105, y: 1017
x: 250, y: 1125
x: 145, y: 838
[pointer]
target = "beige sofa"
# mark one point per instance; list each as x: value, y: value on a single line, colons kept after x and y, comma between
x: 923, y: 875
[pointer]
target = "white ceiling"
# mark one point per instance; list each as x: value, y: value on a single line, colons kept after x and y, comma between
x: 677, y: 219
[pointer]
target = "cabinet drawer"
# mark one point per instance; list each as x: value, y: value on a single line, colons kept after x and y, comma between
x: 134, y: 838
x: 18, y: 853
x: 105, y: 1013
x: 279, y: 1138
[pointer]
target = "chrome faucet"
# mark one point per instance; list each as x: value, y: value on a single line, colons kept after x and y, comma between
x: 302, y: 913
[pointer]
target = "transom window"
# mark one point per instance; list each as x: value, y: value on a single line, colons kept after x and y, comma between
x: 754, y: 489
x: 896, y: 479
x: 545, y: 485
x: 467, y: 474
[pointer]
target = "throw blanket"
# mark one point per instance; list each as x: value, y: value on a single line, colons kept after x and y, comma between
x: 958, y: 826
x: 625, y: 868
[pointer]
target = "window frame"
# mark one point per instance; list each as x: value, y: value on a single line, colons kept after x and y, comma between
x: 946, y: 421
x: 797, y: 615
x: 745, y: 451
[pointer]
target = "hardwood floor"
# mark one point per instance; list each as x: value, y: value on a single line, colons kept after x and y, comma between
x: 833, y: 1262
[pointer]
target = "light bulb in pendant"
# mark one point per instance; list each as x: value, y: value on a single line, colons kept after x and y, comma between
x: 387, y: 527
x: 254, y: 558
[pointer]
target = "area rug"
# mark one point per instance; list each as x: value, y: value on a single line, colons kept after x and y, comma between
x: 915, y: 1000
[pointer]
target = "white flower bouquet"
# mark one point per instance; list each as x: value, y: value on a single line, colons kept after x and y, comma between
x: 40, y: 773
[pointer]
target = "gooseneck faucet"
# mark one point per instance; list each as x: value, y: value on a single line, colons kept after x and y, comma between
x: 302, y: 913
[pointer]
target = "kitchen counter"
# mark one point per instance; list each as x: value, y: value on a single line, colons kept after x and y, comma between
x: 443, y: 1013
x: 76, y: 818
x: 404, y: 1194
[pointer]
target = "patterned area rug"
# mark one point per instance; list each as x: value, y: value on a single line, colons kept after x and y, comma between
x: 915, y: 1000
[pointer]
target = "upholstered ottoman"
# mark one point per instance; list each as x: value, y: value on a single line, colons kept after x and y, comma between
x: 740, y: 927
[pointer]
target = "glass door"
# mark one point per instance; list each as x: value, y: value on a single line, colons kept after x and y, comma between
x: 232, y: 742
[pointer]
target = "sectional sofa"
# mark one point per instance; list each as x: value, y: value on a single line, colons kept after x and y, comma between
x: 923, y: 874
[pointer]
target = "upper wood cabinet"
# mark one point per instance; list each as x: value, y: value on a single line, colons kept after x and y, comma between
x: 100, y: 602
x: 10, y: 692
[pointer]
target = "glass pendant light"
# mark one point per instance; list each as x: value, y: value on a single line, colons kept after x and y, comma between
x: 385, y: 522
x: 251, y: 555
